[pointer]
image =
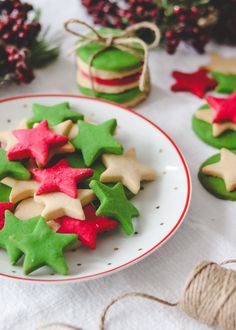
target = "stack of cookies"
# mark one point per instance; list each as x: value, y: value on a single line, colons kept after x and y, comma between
x: 114, y: 73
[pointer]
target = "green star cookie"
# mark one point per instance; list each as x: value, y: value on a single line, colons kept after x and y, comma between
x: 44, y: 247
x: 12, y: 168
x: 4, y: 192
x: 213, y: 184
x: 92, y: 140
x: 226, y: 83
x: 204, y: 131
x: 14, y: 227
x: 54, y: 114
x: 115, y: 204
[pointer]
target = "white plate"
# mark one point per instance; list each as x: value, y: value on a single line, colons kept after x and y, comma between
x: 162, y: 203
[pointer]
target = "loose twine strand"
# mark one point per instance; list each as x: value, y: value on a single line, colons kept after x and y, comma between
x: 124, y: 41
x: 209, y: 296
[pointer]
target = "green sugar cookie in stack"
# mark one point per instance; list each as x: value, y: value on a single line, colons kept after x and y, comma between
x: 114, y: 73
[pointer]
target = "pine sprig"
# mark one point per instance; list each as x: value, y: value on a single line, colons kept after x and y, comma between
x: 41, y: 54
x: 22, y: 47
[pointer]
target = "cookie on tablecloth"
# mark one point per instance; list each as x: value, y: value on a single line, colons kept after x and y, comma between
x: 221, y: 64
x: 225, y: 83
x: 197, y: 83
x: 114, y: 74
x: 215, y: 123
x: 218, y: 175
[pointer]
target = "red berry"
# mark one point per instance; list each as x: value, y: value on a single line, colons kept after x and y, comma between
x: 153, y: 13
x: 182, y: 18
x: 194, y: 10
x: 174, y: 42
x: 139, y: 10
x: 177, y: 10
x: 16, y: 27
x: 169, y: 34
x: 11, y: 50
x: 6, y: 36
x: 21, y: 34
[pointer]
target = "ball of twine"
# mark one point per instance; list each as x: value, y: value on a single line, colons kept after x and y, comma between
x: 209, y: 296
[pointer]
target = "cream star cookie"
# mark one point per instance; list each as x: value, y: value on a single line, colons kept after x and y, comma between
x: 53, y: 225
x: 63, y: 128
x: 225, y: 169
x: 207, y: 115
x: 8, y: 139
x: 20, y: 189
x: 28, y: 208
x: 127, y: 169
x: 73, y: 132
x: 57, y: 204
x: 222, y: 64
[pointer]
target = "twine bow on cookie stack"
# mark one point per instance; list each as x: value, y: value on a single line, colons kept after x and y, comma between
x: 125, y: 41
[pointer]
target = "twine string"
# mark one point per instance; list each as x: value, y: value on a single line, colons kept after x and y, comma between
x: 59, y: 324
x: 208, y: 296
x: 229, y: 261
x: 123, y: 40
x: 128, y: 295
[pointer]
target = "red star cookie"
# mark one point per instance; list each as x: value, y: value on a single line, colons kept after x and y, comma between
x: 197, y: 83
x: 35, y: 143
x: 3, y: 207
x: 87, y: 229
x: 225, y: 108
x: 60, y: 177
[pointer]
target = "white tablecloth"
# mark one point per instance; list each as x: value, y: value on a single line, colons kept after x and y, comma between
x: 207, y: 233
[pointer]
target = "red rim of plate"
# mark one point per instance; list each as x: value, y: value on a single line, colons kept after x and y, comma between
x: 181, y: 218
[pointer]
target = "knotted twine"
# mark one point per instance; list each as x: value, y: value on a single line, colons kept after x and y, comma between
x: 125, y: 41
x: 209, y: 296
